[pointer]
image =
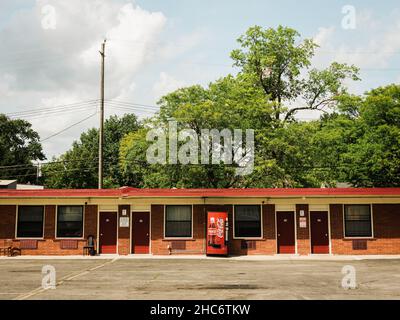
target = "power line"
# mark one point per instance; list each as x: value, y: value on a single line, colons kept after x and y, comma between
x: 69, y: 127
x: 22, y: 166
x: 132, y: 104
x: 37, y: 113
x: 59, y: 171
x: 62, y: 106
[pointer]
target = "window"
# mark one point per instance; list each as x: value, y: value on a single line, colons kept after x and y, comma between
x: 70, y: 222
x: 178, y: 221
x: 30, y: 222
x: 247, y: 221
x: 357, y: 221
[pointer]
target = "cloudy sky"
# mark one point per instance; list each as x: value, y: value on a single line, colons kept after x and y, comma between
x: 50, y: 61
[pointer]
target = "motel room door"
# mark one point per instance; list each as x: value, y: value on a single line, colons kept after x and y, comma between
x: 141, y: 232
x: 108, y: 232
x: 319, y: 232
x: 285, y: 232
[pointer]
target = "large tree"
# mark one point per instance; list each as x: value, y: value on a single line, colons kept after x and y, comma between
x: 273, y: 83
x: 368, y: 131
x: 19, y: 147
x: 78, y: 167
x: 278, y: 61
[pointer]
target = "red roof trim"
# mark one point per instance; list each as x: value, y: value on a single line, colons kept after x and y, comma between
x: 133, y: 192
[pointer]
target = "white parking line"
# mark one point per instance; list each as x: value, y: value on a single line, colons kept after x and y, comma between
x: 68, y: 277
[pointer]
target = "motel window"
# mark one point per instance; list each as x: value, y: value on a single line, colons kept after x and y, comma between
x: 178, y: 221
x: 247, y: 221
x: 357, y: 221
x: 70, y: 221
x: 30, y: 222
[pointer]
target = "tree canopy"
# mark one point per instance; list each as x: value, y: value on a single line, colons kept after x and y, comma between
x: 274, y: 82
x: 78, y: 167
x: 19, y: 146
x: 356, y: 139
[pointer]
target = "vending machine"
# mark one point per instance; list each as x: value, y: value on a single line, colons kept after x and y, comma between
x: 217, y: 233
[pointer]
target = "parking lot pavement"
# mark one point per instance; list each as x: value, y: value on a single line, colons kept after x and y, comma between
x: 199, y: 279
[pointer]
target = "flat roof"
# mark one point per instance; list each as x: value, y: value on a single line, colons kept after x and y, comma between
x: 127, y: 192
x: 7, y: 182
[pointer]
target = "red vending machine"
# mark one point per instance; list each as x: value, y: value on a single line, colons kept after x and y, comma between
x: 217, y: 233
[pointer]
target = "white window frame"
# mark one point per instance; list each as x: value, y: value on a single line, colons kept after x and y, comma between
x: 164, y: 223
x: 371, y: 212
x: 261, y: 223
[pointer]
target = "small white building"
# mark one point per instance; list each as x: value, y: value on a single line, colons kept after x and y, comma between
x: 13, y: 184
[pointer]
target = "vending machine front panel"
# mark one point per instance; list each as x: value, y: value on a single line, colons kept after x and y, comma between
x: 217, y: 233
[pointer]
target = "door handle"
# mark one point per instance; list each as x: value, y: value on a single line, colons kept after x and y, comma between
x: 101, y: 234
x: 279, y: 234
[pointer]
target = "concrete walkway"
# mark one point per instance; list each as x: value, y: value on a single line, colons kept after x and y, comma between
x: 282, y: 257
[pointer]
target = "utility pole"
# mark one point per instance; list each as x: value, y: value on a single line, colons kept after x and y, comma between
x: 101, y: 128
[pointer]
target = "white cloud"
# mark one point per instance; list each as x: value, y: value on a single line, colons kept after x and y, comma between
x: 372, y: 46
x: 323, y: 35
x: 166, y: 84
x: 50, y: 67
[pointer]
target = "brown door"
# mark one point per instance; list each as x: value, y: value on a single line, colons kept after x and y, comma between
x: 108, y: 232
x: 285, y: 232
x: 319, y: 232
x: 140, y: 232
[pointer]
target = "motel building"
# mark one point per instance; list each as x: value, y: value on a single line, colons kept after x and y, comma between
x: 188, y: 221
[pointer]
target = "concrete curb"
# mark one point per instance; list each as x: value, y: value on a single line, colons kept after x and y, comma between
x: 203, y: 257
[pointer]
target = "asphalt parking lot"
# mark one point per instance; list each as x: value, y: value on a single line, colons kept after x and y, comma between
x: 198, y: 279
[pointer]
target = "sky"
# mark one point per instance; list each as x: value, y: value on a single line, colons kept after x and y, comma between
x: 50, y: 61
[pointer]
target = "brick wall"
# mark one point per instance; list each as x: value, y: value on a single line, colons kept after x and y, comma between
x: 49, y: 245
x: 7, y: 222
x: 49, y: 222
x: 386, y: 225
x: 266, y: 245
x: 303, y: 234
x: 91, y: 221
x: 159, y: 245
x: 124, y: 243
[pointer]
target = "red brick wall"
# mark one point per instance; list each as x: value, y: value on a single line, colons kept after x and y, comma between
x: 193, y: 246
x: 124, y: 243
x: 303, y: 234
x: 49, y: 222
x: 386, y: 225
x: 91, y: 221
x: 266, y: 245
x: 7, y: 222
x: 49, y: 245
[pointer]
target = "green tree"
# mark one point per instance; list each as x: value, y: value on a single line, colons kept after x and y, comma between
x: 272, y: 85
x: 78, y: 167
x: 19, y: 146
x: 374, y: 159
x: 278, y: 62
